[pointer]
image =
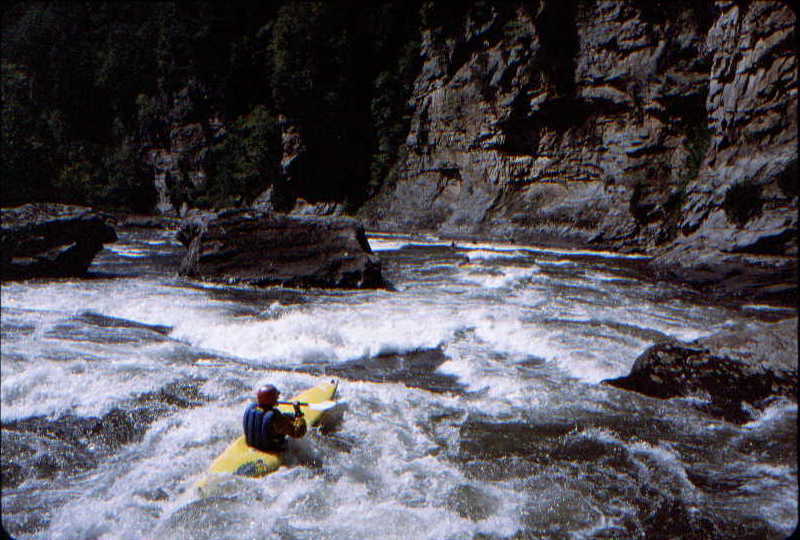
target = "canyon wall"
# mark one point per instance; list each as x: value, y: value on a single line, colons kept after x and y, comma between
x: 668, y: 128
x: 663, y: 127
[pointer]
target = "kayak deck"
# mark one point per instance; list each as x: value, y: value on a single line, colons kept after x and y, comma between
x: 239, y: 458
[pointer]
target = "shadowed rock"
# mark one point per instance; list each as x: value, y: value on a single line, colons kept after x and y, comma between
x: 730, y: 369
x: 252, y: 247
x: 51, y: 240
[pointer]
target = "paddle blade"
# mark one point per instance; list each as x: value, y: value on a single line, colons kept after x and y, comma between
x: 323, y: 405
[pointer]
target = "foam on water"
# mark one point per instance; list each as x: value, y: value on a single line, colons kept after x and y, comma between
x: 383, y: 244
x: 128, y: 251
x: 552, y: 251
x: 391, y: 484
x: 559, y: 262
x: 393, y: 242
x: 591, y: 359
x: 499, y: 394
x: 487, y: 250
x: 169, y: 241
x: 523, y: 342
x: 80, y: 387
x: 773, y: 414
x: 295, y: 335
x: 484, y: 254
x: 762, y: 307
x: 149, y: 302
x: 291, y: 335
x: 661, y: 460
x: 497, y: 278
x: 332, y: 334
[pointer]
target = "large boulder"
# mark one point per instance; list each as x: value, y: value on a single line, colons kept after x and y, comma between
x: 51, y: 240
x: 259, y: 248
x: 731, y: 371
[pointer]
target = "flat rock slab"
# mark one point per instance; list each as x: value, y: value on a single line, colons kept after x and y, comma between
x: 246, y: 246
x: 732, y: 370
x: 51, y: 240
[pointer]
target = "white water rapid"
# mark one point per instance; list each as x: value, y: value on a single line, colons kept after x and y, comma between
x: 474, y: 407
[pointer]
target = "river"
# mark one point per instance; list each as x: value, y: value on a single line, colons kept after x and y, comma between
x: 473, y: 406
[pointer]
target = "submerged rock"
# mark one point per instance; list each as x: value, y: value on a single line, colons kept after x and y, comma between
x: 732, y: 370
x: 51, y: 240
x: 46, y: 447
x: 415, y: 369
x: 246, y: 246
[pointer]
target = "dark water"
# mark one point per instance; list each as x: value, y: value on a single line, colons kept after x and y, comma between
x: 473, y: 404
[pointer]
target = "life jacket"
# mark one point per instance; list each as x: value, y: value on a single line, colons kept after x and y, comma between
x: 258, y: 430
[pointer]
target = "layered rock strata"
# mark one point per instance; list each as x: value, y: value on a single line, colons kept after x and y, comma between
x: 261, y: 248
x: 666, y: 128
x: 738, y: 220
x: 51, y: 240
x: 663, y: 127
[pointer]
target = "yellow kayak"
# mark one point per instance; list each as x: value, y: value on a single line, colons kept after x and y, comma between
x: 239, y: 458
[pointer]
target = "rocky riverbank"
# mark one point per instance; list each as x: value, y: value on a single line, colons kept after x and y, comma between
x: 668, y: 128
x: 627, y: 125
x: 52, y: 240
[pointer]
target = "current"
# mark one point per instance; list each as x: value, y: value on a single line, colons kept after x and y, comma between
x: 473, y: 404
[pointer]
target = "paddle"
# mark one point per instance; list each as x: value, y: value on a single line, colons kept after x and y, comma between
x: 321, y: 406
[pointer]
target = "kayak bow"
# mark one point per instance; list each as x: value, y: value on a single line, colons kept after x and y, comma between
x: 239, y: 458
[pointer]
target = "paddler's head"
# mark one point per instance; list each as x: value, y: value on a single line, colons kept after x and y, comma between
x: 267, y: 396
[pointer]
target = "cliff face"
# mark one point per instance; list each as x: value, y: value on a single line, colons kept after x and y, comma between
x: 176, y: 148
x: 664, y: 127
x: 739, y: 220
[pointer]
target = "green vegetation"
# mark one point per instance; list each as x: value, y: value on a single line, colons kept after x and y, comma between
x: 90, y: 88
x: 245, y: 160
x: 25, y: 138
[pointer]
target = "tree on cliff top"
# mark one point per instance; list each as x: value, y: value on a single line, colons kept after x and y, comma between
x: 75, y: 73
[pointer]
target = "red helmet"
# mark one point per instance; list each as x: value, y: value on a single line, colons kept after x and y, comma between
x: 267, y: 395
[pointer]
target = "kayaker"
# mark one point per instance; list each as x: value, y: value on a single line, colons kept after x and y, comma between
x: 265, y: 427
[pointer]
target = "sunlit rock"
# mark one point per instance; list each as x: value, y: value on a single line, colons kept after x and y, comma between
x: 628, y: 125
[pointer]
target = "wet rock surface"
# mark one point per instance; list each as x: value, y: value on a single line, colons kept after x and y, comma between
x: 138, y: 221
x: 51, y: 240
x: 537, y: 125
x: 417, y: 369
x: 732, y: 371
x: 44, y: 448
x: 261, y: 248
